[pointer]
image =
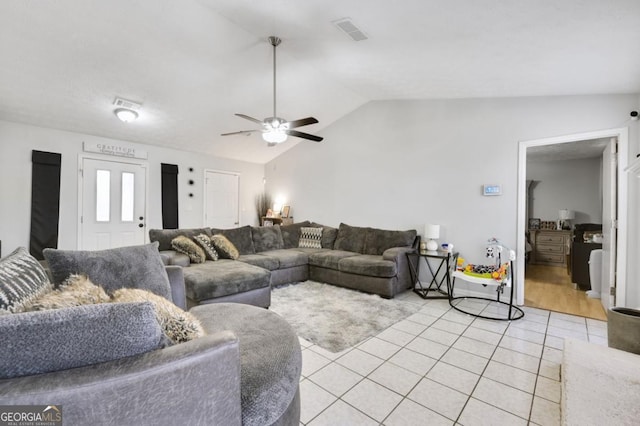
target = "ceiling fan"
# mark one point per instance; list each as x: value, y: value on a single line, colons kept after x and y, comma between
x: 275, y: 129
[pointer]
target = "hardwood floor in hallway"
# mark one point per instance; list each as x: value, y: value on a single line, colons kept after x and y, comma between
x: 550, y: 287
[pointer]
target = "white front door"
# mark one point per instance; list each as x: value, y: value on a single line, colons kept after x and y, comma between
x: 609, y: 222
x: 113, y: 204
x: 221, y: 199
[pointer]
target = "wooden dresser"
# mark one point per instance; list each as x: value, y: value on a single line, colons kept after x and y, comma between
x: 550, y: 247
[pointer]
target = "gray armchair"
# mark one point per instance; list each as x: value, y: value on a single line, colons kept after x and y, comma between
x: 210, y: 380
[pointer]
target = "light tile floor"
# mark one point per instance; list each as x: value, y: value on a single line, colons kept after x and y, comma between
x: 442, y: 367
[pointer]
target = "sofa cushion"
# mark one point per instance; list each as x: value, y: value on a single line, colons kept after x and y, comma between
x: 291, y: 234
x: 368, y: 265
x: 240, y: 237
x: 216, y: 279
x: 187, y: 246
x: 77, y: 290
x: 329, y: 235
x: 59, y: 339
x: 261, y: 260
x: 270, y: 358
x: 379, y: 240
x: 288, y: 258
x: 351, y: 238
x: 177, y: 325
x: 310, y: 237
x: 133, y: 267
x: 22, y: 279
x: 165, y: 236
x: 172, y: 257
x: 266, y: 238
x: 329, y: 258
x: 225, y: 248
x: 204, y: 241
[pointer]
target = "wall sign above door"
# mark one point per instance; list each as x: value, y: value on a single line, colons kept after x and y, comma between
x: 115, y: 149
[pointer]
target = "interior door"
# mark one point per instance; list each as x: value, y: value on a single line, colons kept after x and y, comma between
x: 221, y: 199
x: 609, y: 223
x: 113, y: 204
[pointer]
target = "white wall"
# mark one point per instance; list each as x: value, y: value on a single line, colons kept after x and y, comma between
x: 18, y: 140
x: 401, y: 164
x: 567, y: 184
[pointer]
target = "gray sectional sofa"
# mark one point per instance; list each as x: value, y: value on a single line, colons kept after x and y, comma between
x: 107, y: 364
x: 367, y: 259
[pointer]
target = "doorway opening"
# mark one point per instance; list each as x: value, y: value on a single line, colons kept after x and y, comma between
x: 549, y: 276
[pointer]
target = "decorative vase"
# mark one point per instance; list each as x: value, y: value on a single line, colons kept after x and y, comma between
x: 623, y: 329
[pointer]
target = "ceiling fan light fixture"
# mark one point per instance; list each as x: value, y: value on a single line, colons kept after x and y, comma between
x: 274, y: 136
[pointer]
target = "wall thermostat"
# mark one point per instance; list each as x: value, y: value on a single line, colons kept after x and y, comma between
x: 491, y: 190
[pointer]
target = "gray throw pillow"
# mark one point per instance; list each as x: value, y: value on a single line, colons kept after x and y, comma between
x: 112, y: 269
x: 59, y: 339
x: 351, y: 238
x: 291, y: 234
x: 22, y: 279
x: 266, y: 238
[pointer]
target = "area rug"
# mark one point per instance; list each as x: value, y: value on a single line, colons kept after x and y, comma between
x: 336, y: 318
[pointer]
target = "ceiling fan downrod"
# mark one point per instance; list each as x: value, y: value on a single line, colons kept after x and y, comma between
x: 275, y: 41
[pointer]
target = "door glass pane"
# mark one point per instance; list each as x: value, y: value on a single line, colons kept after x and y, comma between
x: 128, y: 180
x: 103, y: 195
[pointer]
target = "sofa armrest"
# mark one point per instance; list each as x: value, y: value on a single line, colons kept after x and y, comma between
x: 176, y: 280
x: 396, y: 253
x: 196, y: 382
x: 399, y: 255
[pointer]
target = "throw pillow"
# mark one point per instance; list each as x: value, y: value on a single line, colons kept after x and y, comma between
x: 77, y: 290
x: 224, y: 247
x: 179, y: 326
x: 204, y: 241
x: 310, y: 238
x: 22, y: 279
x: 134, y: 266
x: 185, y: 245
x: 59, y: 339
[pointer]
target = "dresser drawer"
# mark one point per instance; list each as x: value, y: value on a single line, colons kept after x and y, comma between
x: 550, y: 258
x: 548, y: 248
x: 549, y: 238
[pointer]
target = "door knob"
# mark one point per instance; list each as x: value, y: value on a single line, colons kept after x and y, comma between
x: 141, y: 225
x: 141, y: 218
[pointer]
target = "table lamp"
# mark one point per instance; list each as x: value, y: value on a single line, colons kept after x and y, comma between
x: 564, y: 216
x: 432, y: 233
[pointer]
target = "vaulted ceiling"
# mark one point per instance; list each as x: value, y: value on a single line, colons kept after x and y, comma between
x: 192, y: 64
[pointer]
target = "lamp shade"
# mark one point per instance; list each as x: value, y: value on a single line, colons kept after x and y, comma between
x: 432, y: 231
x: 566, y: 214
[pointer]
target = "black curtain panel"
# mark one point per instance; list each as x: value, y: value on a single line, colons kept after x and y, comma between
x: 169, y: 196
x: 45, y: 201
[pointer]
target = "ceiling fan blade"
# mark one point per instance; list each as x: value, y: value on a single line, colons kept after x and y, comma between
x: 241, y: 132
x: 302, y: 122
x: 246, y: 117
x: 303, y: 135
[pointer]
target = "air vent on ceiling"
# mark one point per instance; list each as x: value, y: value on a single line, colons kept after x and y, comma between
x: 123, y: 103
x: 348, y: 27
